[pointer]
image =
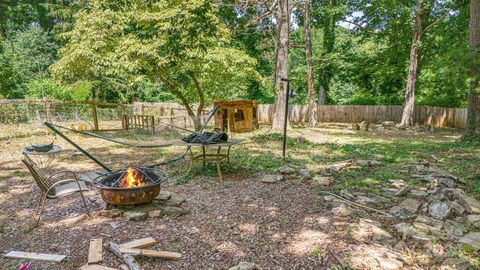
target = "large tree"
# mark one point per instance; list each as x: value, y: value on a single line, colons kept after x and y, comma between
x: 474, y: 69
x: 182, y: 45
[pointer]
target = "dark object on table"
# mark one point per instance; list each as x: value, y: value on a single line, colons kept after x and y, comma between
x: 206, y: 138
x: 40, y: 147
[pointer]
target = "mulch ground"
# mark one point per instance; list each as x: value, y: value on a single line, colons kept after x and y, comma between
x: 275, y: 226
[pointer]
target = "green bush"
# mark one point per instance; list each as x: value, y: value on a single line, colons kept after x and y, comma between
x: 46, y: 88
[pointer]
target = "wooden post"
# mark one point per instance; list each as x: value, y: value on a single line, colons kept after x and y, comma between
x: 47, y: 110
x: 94, y: 115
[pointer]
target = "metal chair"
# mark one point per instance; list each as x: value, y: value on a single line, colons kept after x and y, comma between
x: 52, y: 189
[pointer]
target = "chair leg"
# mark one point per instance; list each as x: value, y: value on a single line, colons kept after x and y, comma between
x: 42, y: 205
x: 84, y: 203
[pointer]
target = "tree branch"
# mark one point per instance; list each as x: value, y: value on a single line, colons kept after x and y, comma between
x: 435, y: 22
x: 201, y: 95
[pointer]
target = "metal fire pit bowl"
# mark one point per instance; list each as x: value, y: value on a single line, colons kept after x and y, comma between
x: 130, y: 196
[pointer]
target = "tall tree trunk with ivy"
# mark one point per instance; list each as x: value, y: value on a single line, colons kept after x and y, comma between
x: 474, y: 70
x: 329, y: 24
x: 312, y: 104
x: 407, y: 115
x: 282, y: 17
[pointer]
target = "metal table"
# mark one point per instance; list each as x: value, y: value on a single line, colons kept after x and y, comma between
x: 217, y: 156
x: 43, y: 160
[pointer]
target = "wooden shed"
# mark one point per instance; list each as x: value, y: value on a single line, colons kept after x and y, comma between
x: 236, y: 115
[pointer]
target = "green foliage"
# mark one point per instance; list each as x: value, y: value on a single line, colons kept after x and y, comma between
x: 46, y: 88
x: 26, y: 57
x: 164, y: 43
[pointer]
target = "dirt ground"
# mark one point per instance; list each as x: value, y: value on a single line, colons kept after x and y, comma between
x: 280, y: 226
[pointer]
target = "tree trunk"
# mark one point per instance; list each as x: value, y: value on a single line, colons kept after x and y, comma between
x: 312, y: 106
x: 474, y: 69
x: 407, y: 116
x: 282, y: 17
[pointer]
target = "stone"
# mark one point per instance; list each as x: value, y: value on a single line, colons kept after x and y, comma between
x: 457, y: 208
x: 474, y: 220
x: 321, y: 180
x: 301, y: 140
x: 455, y: 264
x: 271, y: 178
x: 330, y: 198
x: 163, y: 195
x: 406, y: 209
x: 305, y: 174
x: 378, y: 234
x: 390, y: 263
x: 135, y: 216
x: 418, y: 194
x: 363, y: 163
x: 396, y: 183
x: 366, y: 200
x: 354, y: 126
x: 428, y: 224
x: 389, y: 192
x: 388, y: 123
x: 432, y: 159
x: 471, y: 241
x: 454, y: 229
x: 337, y: 167
x: 341, y: 210
x: 379, y: 157
x: 155, y: 213
x: 347, y: 195
x: 175, y: 200
x: 440, y: 210
x: 243, y: 266
x: 407, y: 230
x: 473, y: 205
x: 174, y: 212
x: 364, y: 125
x: 380, y: 129
x: 110, y: 213
x: 286, y: 170
x: 403, y: 191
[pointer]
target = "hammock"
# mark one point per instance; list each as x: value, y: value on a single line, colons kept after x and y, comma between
x: 133, y: 144
x: 123, y: 142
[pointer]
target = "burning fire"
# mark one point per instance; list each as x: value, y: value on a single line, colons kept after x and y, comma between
x: 132, y: 179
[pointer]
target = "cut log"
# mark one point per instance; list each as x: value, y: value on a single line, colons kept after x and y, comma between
x: 96, y: 267
x: 95, y: 250
x: 128, y: 259
x: 152, y: 253
x: 35, y: 256
x: 140, y: 243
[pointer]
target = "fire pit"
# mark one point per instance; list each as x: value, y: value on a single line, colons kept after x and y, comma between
x: 129, y: 187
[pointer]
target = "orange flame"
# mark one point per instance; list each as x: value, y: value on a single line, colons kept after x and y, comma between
x: 131, y: 179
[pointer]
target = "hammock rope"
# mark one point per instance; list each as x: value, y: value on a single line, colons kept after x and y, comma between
x: 138, y: 145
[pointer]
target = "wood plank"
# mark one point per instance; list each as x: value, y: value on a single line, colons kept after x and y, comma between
x: 96, y: 267
x: 35, y: 256
x: 95, y: 250
x: 140, y: 243
x: 152, y: 253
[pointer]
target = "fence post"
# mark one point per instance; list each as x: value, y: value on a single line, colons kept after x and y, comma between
x: 94, y: 114
x: 47, y: 110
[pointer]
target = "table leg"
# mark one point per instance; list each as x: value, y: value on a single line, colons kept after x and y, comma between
x: 191, y: 161
x: 228, y: 155
x: 203, y: 155
x: 219, y: 163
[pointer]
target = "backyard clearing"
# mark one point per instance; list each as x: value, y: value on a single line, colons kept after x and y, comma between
x: 270, y: 213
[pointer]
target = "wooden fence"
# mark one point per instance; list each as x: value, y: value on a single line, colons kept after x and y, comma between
x: 435, y: 116
x: 104, y: 116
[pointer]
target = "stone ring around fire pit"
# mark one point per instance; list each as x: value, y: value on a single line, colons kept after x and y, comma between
x: 130, y: 187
